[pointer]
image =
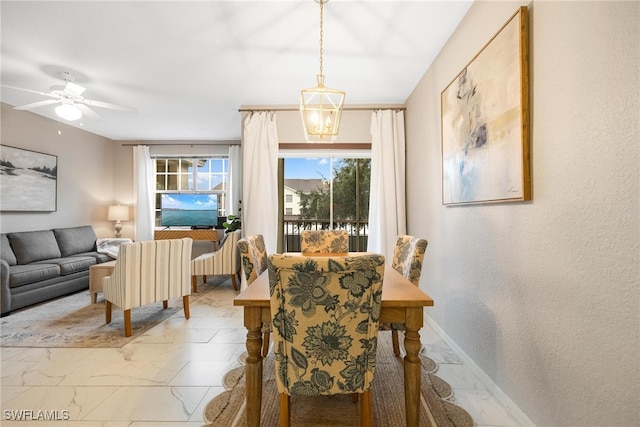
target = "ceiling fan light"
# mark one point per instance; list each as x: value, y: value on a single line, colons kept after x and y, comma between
x: 68, y: 112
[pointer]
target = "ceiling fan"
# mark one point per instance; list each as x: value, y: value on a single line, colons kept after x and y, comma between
x: 72, y: 104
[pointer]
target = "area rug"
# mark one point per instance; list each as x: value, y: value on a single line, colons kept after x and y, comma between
x: 72, y: 321
x: 436, y: 409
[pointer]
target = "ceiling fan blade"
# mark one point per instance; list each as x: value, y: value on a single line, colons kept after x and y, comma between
x: 109, y: 105
x: 50, y: 95
x: 37, y: 104
x: 89, y: 112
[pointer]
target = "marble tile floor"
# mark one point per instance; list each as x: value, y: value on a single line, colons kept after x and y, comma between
x: 165, y: 377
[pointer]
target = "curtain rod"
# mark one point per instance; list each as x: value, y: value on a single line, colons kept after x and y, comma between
x: 187, y: 145
x: 250, y: 110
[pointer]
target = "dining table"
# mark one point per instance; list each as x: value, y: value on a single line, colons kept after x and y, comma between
x: 402, y: 302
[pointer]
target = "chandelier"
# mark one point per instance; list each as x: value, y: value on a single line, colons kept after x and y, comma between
x: 321, y: 107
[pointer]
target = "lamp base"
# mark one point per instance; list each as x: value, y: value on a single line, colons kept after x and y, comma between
x: 118, y: 228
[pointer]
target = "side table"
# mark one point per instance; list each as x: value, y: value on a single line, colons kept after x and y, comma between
x: 96, y: 273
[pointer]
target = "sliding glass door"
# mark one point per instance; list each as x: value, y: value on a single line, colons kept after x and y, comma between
x: 323, y: 193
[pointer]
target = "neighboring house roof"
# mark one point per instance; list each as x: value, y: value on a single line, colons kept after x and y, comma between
x: 304, y: 185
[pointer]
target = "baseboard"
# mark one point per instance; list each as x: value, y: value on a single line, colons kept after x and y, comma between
x: 500, y: 396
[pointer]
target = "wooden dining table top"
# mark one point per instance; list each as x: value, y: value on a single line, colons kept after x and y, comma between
x: 397, y: 291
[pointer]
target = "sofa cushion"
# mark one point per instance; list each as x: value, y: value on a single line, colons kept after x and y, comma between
x: 24, y: 274
x: 71, y: 264
x: 74, y: 240
x: 31, y: 246
x: 7, y: 254
x: 100, y: 258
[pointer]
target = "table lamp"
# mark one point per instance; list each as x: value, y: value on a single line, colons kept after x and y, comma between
x: 118, y: 213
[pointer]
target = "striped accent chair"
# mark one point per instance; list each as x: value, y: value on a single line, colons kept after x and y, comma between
x: 324, y: 241
x: 253, y: 257
x: 146, y: 273
x: 224, y: 261
x: 325, y: 313
x: 408, y: 254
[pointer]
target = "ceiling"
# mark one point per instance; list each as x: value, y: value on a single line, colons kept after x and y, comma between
x: 187, y: 67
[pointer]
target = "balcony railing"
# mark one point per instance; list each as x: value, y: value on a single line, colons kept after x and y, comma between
x: 358, y: 232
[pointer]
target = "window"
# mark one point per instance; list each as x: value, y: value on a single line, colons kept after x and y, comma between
x: 206, y: 175
x: 330, y: 193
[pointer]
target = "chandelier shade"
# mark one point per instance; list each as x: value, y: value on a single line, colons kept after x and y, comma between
x: 321, y: 107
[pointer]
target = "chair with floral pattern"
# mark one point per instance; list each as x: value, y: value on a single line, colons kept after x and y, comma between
x: 325, y: 313
x: 408, y: 254
x: 253, y: 259
x: 324, y: 241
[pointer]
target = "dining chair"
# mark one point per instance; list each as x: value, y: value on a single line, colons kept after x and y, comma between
x: 224, y: 261
x: 325, y: 316
x: 253, y: 259
x: 324, y: 241
x: 148, y: 272
x: 408, y: 254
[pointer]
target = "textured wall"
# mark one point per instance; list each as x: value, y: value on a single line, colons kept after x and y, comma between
x: 544, y: 295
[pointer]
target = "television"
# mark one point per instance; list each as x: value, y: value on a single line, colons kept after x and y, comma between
x: 189, y: 210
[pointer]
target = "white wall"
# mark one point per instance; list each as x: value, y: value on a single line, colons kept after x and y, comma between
x: 543, y: 295
x: 354, y: 127
x: 85, y: 172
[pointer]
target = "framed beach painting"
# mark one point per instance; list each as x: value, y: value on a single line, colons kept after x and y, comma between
x: 28, y: 180
x: 485, y: 122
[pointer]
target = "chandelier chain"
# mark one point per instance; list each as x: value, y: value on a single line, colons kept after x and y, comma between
x: 321, y: 107
x: 321, y: 34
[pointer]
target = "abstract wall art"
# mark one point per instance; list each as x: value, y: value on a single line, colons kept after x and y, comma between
x: 485, y: 122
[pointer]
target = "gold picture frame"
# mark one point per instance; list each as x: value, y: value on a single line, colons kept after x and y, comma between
x: 485, y: 122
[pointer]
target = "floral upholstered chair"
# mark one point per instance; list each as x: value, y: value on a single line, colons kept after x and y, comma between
x: 325, y: 313
x: 253, y: 256
x: 408, y: 254
x: 324, y: 241
x: 253, y: 259
x: 146, y: 273
x: 224, y: 261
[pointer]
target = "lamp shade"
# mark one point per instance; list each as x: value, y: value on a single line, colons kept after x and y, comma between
x: 118, y: 213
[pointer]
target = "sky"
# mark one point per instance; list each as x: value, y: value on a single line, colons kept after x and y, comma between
x: 304, y: 168
x: 190, y: 201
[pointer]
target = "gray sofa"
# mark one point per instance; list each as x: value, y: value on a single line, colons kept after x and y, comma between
x: 39, y: 265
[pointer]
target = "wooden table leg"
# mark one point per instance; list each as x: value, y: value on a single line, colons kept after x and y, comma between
x: 254, y: 365
x: 412, y: 366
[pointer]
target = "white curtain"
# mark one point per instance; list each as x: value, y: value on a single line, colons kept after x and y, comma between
x: 235, y: 180
x: 387, y: 215
x: 260, y: 178
x: 144, y: 181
